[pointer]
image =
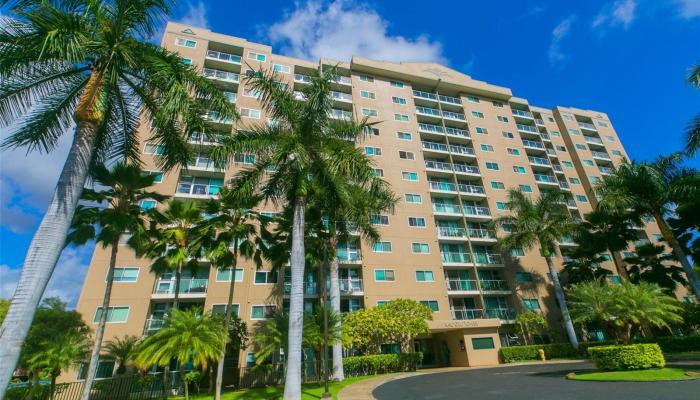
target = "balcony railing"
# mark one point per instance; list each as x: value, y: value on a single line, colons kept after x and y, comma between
x: 571, y: 203
x: 447, y: 208
x: 310, y: 288
x: 539, y: 160
x: 443, y: 147
x: 564, y: 185
x: 443, y: 186
x: 531, y: 143
x: 205, y: 164
x: 451, y: 232
x: 467, y: 169
x: 453, y: 115
x: 430, y: 128
x: 463, y: 150
x: 213, y: 116
x: 545, y: 136
x: 349, y: 255
x: 450, y: 100
x: 351, y: 285
x: 601, y: 154
x: 153, y: 325
x: 343, y: 80
x: 187, y: 286
x: 594, y: 140
x: 424, y: 95
x: 428, y: 111
x: 301, y: 78
x: 488, y: 258
x: 196, y: 189
x: 461, y: 285
x: 493, y: 285
x: 471, y: 189
x: 546, y: 179
x: 505, y: 314
x: 221, y: 75
x: 221, y: 56
x: 557, y: 168
x: 341, y: 96
x: 477, y: 211
x: 341, y: 114
x: 439, y: 165
x: 457, y: 132
x: 552, y: 152
x: 481, y: 233
x: 434, y: 146
x: 467, y: 313
x: 606, y: 170
x: 204, y: 138
x: 527, y: 128
x: 455, y: 257
x: 539, y: 121
x: 587, y: 125
x: 522, y: 113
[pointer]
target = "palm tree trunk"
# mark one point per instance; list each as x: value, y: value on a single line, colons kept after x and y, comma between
x: 100, y: 330
x: 559, y: 293
x: 184, y: 382
x: 45, y: 249
x: 53, y: 385
x: 619, y: 264
x: 178, y: 276
x: 227, y: 322
x: 292, y: 383
x: 338, y: 373
x: 679, y: 253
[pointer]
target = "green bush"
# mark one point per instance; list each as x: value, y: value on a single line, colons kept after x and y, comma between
x: 636, y: 356
x: 552, y: 350
x: 675, y: 344
x: 381, y: 363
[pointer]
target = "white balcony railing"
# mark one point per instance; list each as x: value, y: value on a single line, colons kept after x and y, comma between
x: 527, y: 128
x: 225, y: 57
x: 493, y: 285
x: 221, y: 75
x: 451, y: 232
x: 351, y: 285
x: 467, y: 313
x: 546, y: 179
x: 481, y: 233
x: 461, y: 285
x: 521, y: 113
x: 187, y: 286
x: 447, y: 208
x: 533, y: 144
x: 477, y: 211
x: 539, y: 161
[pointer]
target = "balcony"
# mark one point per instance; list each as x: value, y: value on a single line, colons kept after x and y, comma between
x: 215, y: 117
x: 450, y: 100
x: 434, y: 146
x: 552, y: 153
x: 432, y: 112
x: 571, y: 203
x: 301, y: 78
x: 521, y: 113
x: 453, y: 115
x: 545, y: 136
x: 557, y: 168
x: 456, y: 132
x: 587, y: 125
x: 539, y: 122
x: 539, y: 161
x: 566, y: 241
x: 606, y: 170
x: 298, y: 95
x: 430, y: 128
x: 531, y: 144
x: 494, y: 285
x: 593, y: 140
x: 456, y: 257
x: 466, y: 169
x: 189, y: 287
x: 488, y: 258
x: 224, y: 57
x: 438, y: 165
x: 461, y: 285
x: 205, y: 164
x: 351, y: 286
x: 196, y: 190
x: 351, y: 256
x: 340, y: 96
x: 343, y: 80
x: 504, y: 314
x: 204, y: 139
x: 477, y: 211
x: 466, y: 313
x: 482, y: 234
x: 220, y: 75
x: 443, y: 186
x: 564, y: 186
x: 546, y: 179
x: 461, y: 150
x: 450, y: 209
x: 341, y: 114
x: 424, y: 95
x: 310, y: 288
x: 601, y: 155
x: 153, y: 325
x: 527, y: 128
x: 448, y: 232
x: 471, y: 189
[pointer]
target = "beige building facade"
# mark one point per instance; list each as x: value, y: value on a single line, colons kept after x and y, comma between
x: 449, y: 145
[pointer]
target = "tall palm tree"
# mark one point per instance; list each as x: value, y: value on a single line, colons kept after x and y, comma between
x: 122, y: 350
x: 651, y: 264
x: 304, y: 144
x: 693, y: 132
x: 88, y: 62
x: 654, y: 189
x: 542, y: 223
x: 176, y: 244
x: 117, y: 213
x: 190, y: 336
x: 610, y: 230
x: 583, y: 266
x: 234, y: 233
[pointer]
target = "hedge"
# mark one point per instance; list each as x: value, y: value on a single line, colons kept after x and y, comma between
x: 552, y: 350
x: 381, y: 363
x: 635, y: 356
x: 675, y: 344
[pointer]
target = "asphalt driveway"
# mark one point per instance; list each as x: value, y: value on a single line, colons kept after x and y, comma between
x: 525, y: 382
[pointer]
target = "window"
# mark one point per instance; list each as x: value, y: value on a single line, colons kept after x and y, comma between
x: 588, y: 163
x: 602, y: 124
x: 497, y: 104
x: 425, y: 276
x: 396, y: 84
x: 378, y: 219
x: 567, y: 164
x: 513, y: 152
x: 409, y: 176
x: 116, y: 314
x: 497, y: 185
x: 616, y: 153
x: 500, y: 205
x: 574, y: 132
x: 567, y: 117
x: 525, y: 188
x: 384, y: 275
x: 247, y: 92
x: 481, y: 131
x: 531, y: 304
x: 250, y: 113
x: 472, y: 99
x: 416, y: 222
x: 581, y: 198
x: 413, y: 198
x: 186, y: 61
x: 484, y: 343
x: 265, y: 277
x: 224, y: 275
x: 555, y: 133
x: 186, y: 43
x: 508, y: 135
x: 404, y: 136
x: 502, y: 118
x: 378, y: 172
x: 518, y: 169
x: 657, y: 237
x: 580, y: 146
x: 151, y: 148
x: 550, y: 119
x: 148, y: 204
x: 366, y: 78
x: 220, y: 309
x: 126, y: 274
x: 477, y: 114
x: 406, y: 155
x: 158, y: 175
x: 433, y: 304
x: 373, y: 151
x: 262, y: 311
x: 594, y: 179
x: 420, y: 248
x: 372, y: 131
x: 105, y: 370
x: 609, y: 138
x: 517, y: 252
x: 398, y: 100
x: 257, y: 56
x: 367, y: 95
x: 381, y: 247
x: 486, y: 147
x: 523, y: 277
x: 369, y: 112
x: 285, y: 69
x: 561, y: 148
x: 401, y: 117
x: 492, y: 166
x: 574, y: 181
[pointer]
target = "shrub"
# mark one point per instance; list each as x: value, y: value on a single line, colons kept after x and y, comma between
x: 381, y: 363
x: 675, y: 344
x: 552, y: 350
x: 636, y: 356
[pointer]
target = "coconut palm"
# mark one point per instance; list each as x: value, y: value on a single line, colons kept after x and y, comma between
x: 190, y: 336
x: 651, y: 264
x: 61, y: 353
x: 87, y: 66
x: 583, y: 265
x: 653, y: 189
x: 122, y: 350
x: 540, y: 223
x: 693, y: 132
x: 234, y: 233
x: 176, y: 245
x: 116, y: 213
x: 303, y: 144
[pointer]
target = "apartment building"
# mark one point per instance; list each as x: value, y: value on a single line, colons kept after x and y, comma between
x: 449, y: 145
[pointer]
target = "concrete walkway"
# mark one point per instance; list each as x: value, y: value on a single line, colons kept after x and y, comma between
x: 363, y: 390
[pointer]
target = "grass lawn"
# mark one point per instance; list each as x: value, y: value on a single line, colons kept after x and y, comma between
x: 310, y: 391
x: 663, y: 374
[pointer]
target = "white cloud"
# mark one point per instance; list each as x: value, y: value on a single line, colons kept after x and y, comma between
x: 340, y: 29
x: 688, y: 8
x: 66, y: 281
x: 555, y: 53
x: 196, y: 15
x: 619, y: 13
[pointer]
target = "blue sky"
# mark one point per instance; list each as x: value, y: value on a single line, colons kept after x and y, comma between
x: 627, y: 58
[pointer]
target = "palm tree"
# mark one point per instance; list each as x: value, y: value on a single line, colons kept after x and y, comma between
x: 302, y: 145
x: 583, y: 266
x: 610, y: 230
x: 176, y: 244
x: 593, y: 302
x: 117, y: 212
x: 653, y: 189
x: 234, y: 233
x: 693, y: 132
x: 540, y: 223
x: 63, y: 352
x: 190, y: 336
x: 651, y: 264
x: 122, y: 350
x: 88, y: 62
